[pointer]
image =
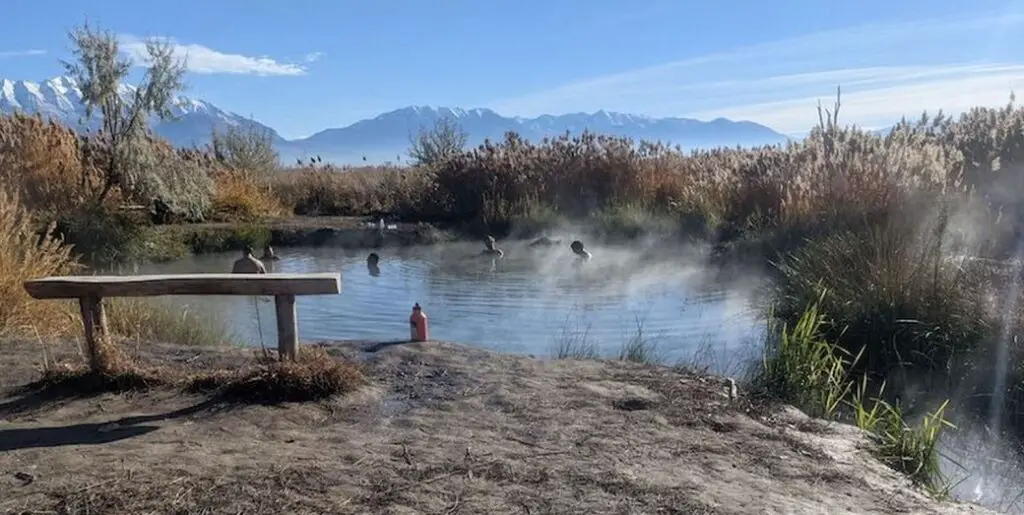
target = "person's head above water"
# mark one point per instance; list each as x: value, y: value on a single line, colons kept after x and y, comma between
x: 491, y: 249
x: 577, y: 248
x: 268, y: 254
x: 248, y: 264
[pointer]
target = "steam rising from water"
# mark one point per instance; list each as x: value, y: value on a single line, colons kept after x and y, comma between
x: 525, y: 302
x: 984, y: 467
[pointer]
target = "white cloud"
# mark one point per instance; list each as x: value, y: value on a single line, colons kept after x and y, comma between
x: 886, y: 71
x: 313, y: 56
x: 953, y: 89
x: 4, y: 54
x: 205, y: 60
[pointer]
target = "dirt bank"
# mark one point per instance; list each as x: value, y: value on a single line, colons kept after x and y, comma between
x: 441, y: 428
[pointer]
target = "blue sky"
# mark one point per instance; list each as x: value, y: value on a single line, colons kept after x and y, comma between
x: 306, y: 65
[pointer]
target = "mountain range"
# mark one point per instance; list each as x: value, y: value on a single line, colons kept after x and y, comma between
x: 385, y: 137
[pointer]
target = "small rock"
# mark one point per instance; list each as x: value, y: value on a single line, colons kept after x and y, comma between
x: 632, y: 404
x: 25, y: 478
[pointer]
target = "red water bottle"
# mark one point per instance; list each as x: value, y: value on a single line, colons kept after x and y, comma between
x: 418, y: 325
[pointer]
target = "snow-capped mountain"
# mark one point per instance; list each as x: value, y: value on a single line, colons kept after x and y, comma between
x: 392, y: 129
x: 385, y: 137
x: 60, y: 98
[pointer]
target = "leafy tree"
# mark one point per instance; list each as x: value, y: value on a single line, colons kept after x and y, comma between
x: 131, y: 160
x: 246, y: 149
x: 434, y: 145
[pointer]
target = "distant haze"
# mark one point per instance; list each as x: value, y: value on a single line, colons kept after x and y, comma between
x: 386, y: 137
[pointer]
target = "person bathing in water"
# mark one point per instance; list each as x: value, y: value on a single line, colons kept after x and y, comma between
x: 581, y: 253
x: 248, y: 264
x: 491, y: 250
x: 372, y: 264
x: 269, y: 255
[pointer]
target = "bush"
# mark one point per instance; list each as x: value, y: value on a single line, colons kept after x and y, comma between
x: 102, y: 236
x: 228, y: 238
x: 237, y: 198
x: 315, y: 375
x: 64, y: 380
x: 891, y: 290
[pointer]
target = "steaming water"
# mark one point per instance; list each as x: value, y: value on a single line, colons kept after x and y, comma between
x: 524, y: 303
x: 982, y: 491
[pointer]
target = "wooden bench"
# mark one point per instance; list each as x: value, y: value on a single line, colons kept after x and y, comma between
x: 91, y: 290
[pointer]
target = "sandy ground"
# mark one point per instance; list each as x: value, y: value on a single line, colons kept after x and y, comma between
x: 441, y: 428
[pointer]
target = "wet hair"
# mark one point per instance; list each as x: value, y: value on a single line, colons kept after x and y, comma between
x: 248, y: 250
x: 373, y: 258
x: 576, y: 246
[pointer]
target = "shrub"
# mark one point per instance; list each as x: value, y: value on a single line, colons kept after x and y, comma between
x: 246, y: 151
x: 889, y: 289
x: 441, y: 142
x: 101, y: 235
x: 65, y: 380
x: 228, y: 238
x: 314, y: 376
x: 238, y: 198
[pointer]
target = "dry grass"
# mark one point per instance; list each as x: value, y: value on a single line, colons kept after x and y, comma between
x: 64, y: 380
x: 238, y: 197
x: 314, y: 376
x: 152, y: 321
x: 329, y: 191
x: 43, y: 163
x: 837, y: 178
x: 24, y: 255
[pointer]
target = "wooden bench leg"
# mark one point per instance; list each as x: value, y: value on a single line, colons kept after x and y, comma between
x: 94, y: 320
x: 287, y: 327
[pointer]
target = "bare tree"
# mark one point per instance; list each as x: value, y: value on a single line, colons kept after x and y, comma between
x: 100, y: 71
x: 247, y: 149
x: 444, y: 140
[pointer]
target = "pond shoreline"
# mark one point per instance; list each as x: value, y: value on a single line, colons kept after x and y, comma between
x: 174, y: 241
x: 341, y: 232
x: 437, y: 424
